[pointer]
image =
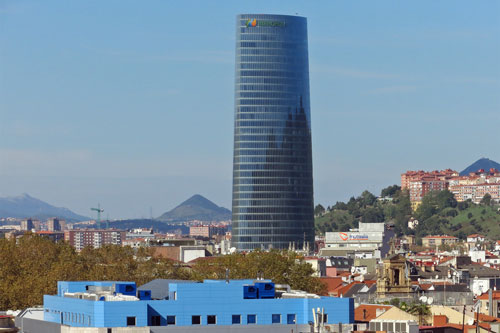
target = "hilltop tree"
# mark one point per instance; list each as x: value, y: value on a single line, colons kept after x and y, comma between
x: 390, y: 191
x: 486, y: 200
x: 367, y: 198
x: 319, y: 210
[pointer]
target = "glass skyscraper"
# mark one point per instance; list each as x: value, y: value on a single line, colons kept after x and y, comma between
x: 272, y: 167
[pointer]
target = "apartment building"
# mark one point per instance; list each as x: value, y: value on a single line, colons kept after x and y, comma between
x: 419, y: 183
x: 476, y: 185
x: 435, y: 241
x: 80, y: 239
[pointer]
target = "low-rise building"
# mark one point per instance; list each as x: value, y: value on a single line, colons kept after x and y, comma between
x: 475, y: 238
x: 183, y: 253
x: 437, y: 240
x: 142, y: 233
x: 55, y: 236
x: 318, y: 265
x: 337, y: 265
x: 206, y: 231
x: 369, y: 240
x: 397, y: 325
x: 490, y: 303
x: 211, y: 306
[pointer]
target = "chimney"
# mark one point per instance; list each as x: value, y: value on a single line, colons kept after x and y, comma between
x: 440, y: 320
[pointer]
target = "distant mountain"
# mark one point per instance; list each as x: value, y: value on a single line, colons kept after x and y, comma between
x: 196, y: 208
x: 24, y: 206
x: 482, y: 163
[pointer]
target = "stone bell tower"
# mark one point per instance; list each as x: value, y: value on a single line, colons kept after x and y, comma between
x: 393, y: 276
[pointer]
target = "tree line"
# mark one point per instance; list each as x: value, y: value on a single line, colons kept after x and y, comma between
x: 394, y: 205
x: 31, y: 265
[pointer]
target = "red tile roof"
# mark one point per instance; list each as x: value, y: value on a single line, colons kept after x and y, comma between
x: 332, y: 283
x: 486, y: 318
x: 475, y: 236
x: 495, y: 295
x: 368, y: 312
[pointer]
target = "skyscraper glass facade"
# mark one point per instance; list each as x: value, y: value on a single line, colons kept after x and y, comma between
x: 272, y: 167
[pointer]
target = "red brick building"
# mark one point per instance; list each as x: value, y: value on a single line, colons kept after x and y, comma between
x: 419, y: 183
x: 206, y: 231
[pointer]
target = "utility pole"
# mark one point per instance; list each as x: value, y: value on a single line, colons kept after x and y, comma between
x: 477, y: 318
x: 463, y: 321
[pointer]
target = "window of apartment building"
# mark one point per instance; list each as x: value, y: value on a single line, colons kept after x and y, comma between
x: 236, y: 319
x: 251, y: 319
x: 170, y: 320
x: 276, y: 319
x: 155, y: 320
x: 195, y: 320
x: 211, y: 319
x: 290, y: 318
x: 130, y: 321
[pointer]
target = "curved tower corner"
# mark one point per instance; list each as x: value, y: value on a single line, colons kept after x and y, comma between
x: 272, y: 166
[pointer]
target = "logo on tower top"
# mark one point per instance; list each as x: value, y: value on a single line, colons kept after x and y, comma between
x: 263, y: 23
x: 251, y: 23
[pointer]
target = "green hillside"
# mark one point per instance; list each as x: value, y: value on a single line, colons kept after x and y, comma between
x: 477, y: 219
x: 438, y: 214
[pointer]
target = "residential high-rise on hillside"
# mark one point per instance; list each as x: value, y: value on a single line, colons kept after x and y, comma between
x: 272, y: 167
x: 473, y: 186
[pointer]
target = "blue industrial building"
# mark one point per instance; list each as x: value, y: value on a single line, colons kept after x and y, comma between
x: 212, y: 302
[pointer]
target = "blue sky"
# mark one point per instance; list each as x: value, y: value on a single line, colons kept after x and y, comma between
x: 131, y: 103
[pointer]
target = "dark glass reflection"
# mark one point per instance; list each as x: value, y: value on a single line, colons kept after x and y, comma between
x: 272, y: 167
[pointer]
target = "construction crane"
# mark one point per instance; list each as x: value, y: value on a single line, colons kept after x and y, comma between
x: 99, y: 210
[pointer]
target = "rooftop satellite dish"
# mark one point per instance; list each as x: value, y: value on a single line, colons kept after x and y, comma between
x: 430, y: 300
x: 423, y: 299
